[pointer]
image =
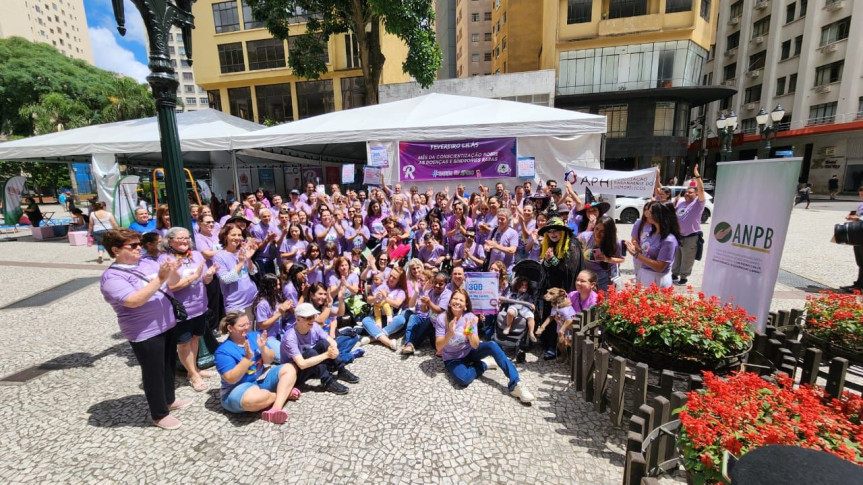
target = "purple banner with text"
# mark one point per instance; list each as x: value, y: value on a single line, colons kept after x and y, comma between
x: 457, y: 159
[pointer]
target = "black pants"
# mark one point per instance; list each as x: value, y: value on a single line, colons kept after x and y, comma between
x: 157, y: 357
x: 215, y: 304
x: 322, y: 370
x: 858, y: 256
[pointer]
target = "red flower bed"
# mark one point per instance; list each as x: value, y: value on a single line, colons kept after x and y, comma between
x: 836, y: 318
x: 744, y: 412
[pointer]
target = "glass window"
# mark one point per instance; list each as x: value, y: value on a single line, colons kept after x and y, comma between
x: 474, y: 37
x: 736, y: 9
x: 829, y: 73
x: 474, y: 17
x: 798, y: 45
x: 230, y: 57
x: 226, y: 17
x: 315, y: 98
x: 325, y: 55
x: 487, y: 37
x: 786, y: 50
x: 487, y: 56
x: 756, y: 61
x: 188, y: 88
x: 274, y: 102
x: 672, y: 6
x: 626, y: 8
x: 753, y: 94
x: 733, y: 40
x: 803, y: 5
x: 215, y: 99
x: 820, y: 114
x: 249, y: 21
x: 749, y: 126
x: 578, y: 11
x: 266, y: 54
x: 780, y: 86
x: 792, y: 83
x: 860, y: 107
x: 240, y: 100
x: 705, y: 10
x: 835, y: 31
x: 617, y: 116
x: 729, y: 72
x: 761, y: 28
x: 353, y: 92
x: 188, y: 76
x: 474, y: 57
x: 191, y: 101
x: 663, y: 121
x: 352, y: 51
x: 487, y: 16
x: 790, y: 10
x: 204, y: 101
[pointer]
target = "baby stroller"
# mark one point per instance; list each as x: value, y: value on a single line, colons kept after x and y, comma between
x: 517, y: 339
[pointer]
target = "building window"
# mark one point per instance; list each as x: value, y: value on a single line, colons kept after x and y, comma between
x: 835, y: 31
x: 803, y: 5
x: 733, y: 41
x: 578, y: 11
x: 672, y: 6
x: 226, y: 17
x: 171, y: 51
x: 315, y: 98
x: 761, y: 28
x: 663, y: 121
x: 352, y: 50
x: 736, y: 10
x: 487, y: 16
x: 729, y: 72
x: 780, y: 86
x: 725, y: 103
x: 265, y: 54
x: 753, y: 94
x: 503, y: 44
x: 792, y: 83
x: 705, y: 10
x: 474, y: 37
x: 829, y: 73
x: 487, y: 37
x: 188, y: 76
x: 821, y: 114
x: 204, y: 101
x: 749, y: 126
x: 474, y: 58
x: 185, y: 62
x: 789, y: 13
x: 626, y: 8
x: 274, y: 102
x: 230, y: 57
x: 756, y: 61
x: 188, y: 88
x: 487, y: 56
x: 240, y: 100
x: 798, y: 45
x: 616, y: 116
x: 474, y: 17
x: 325, y: 54
x: 353, y: 92
x: 786, y: 50
x: 249, y: 21
x: 191, y: 101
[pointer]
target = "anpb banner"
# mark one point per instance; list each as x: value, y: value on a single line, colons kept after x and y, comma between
x: 12, y: 192
x: 639, y: 183
x: 483, y: 289
x: 753, y: 202
x: 457, y: 159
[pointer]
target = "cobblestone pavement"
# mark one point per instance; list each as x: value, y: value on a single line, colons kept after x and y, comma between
x: 85, y: 420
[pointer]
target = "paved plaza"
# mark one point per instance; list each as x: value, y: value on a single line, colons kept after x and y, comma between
x: 84, y: 419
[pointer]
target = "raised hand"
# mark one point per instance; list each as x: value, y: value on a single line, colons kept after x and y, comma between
x: 249, y: 354
x: 262, y: 340
x: 695, y: 171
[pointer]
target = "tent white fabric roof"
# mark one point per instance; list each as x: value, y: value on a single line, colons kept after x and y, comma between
x: 424, y: 118
x: 203, y: 130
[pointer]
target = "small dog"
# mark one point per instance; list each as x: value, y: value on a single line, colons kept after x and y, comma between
x: 563, y: 314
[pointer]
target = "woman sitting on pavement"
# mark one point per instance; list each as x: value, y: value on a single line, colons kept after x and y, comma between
x: 394, y: 293
x: 343, y: 276
x: 132, y: 286
x: 190, y: 291
x: 271, y: 309
x: 330, y: 310
x: 428, y: 302
x: 235, y: 267
x: 246, y: 385
x: 464, y: 356
x: 315, y: 354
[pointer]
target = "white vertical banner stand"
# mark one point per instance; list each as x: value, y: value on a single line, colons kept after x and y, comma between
x: 106, y: 172
x: 752, y: 208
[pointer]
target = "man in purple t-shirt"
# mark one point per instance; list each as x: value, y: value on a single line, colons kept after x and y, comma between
x: 503, y: 243
x: 689, y: 217
x: 269, y: 238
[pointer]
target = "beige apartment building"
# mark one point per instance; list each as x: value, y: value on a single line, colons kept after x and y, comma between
x: 473, y: 37
x: 191, y: 96
x: 61, y: 23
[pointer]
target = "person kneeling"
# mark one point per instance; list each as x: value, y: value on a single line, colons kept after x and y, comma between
x: 246, y: 385
x: 314, y: 352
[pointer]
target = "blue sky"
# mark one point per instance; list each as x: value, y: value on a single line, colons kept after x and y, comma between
x: 126, y: 55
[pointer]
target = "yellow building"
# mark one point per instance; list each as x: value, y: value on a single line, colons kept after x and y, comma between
x: 639, y: 62
x: 245, y: 71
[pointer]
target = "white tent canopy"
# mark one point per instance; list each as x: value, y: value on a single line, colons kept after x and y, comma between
x: 200, y: 131
x: 427, y: 118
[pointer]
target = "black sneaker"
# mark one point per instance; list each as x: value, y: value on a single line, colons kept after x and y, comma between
x: 336, y: 387
x: 347, y: 376
x: 674, y: 278
x: 681, y: 281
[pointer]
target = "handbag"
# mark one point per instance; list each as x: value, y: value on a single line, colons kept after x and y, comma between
x: 487, y: 262
x: 179, y: 309
x: 699, y: 246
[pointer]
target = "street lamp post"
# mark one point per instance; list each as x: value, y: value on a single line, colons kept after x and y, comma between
x: 725, y: 129
x: 159, y: 16
x: 769, y: 131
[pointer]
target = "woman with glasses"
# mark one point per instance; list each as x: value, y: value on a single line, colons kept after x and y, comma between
x: 189, y: 290
x: 379, y: 264
x: 207, y: 242
x: 235, y: 268
x: 135, y: 289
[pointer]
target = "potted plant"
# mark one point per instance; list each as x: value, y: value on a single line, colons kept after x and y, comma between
x: 834, y: 323
x: 668, y: 330
x: 744, y: 411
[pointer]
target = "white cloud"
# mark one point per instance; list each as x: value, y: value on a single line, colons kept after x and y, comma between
x: 110, y: 55
x: 135, y: 31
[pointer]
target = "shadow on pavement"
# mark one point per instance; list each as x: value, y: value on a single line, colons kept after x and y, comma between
x: 214, y: 405
x: 127, y: 411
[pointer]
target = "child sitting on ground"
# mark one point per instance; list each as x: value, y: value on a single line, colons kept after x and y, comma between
x: 519, y: 291
x: 584, y: 295
x: 563, y: 314
x: 381, y: 307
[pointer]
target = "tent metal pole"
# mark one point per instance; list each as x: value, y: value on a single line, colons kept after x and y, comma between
x: 234, y: 172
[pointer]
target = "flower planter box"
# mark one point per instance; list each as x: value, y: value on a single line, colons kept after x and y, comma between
x: 666, y: 359
x: 831, y: 349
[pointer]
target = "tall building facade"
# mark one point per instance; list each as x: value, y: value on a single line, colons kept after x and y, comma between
x: 192, y: 96
x: 244, y: 70
x: 61, y: 23
x: 473, y: 37
x: 444, y: 22
x: 798, y: 55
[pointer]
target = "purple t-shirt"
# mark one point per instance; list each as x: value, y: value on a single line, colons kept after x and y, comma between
x: 458, y: 346
x: 330, y: 235
x: 393, y: 294
x: 440, y: 299
x: 660, y: 250
x: 263, y: 312
x: 154, y: 317
x: 375, y: 225
x: 562, y: 315
x: 259, y: 232
x: 420, y: 213
x: 207, y: 243
x: 352, y: 279
x: 490, y: 220
x: 507, y: 238
x: 430, y: 256
x: 522, y: 239
x: 194, y: 296
x: 457, y: 237
x: 353, y: 239
x: 476, y: 250
x: 580, y: 305
x: 316, y: 275
x: 289, y: 245
x: 241, y: 293
x: 294, y: 342
x: 404, y: 219
x: 689, y: 216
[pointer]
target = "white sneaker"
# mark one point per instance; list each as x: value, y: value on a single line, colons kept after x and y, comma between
x: 490, y: 364
x: 522, y: 394
x: 395, y: 344
x: 365, y: 341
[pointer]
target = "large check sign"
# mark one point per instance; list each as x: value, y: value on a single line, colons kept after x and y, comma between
x: 484, y: 291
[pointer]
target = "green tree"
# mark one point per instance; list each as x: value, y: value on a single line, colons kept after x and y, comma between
x: 409, y: 20
x: 56, y: 112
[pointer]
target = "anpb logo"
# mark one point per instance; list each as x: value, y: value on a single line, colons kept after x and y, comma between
x: 722, y: 232
x: 746, y: 236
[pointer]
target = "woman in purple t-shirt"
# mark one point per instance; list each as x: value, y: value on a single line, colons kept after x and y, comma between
x: 656, y: 251
x: 133, y: 288
x: 235, y: 267
x: 464, y: 356
x: 394, y: 292
x: 374, y: 221
x: 457, y: 225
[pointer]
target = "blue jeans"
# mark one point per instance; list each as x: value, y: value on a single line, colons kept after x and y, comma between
x: 397, y: 323
x: 418, y: 330
x: 468, y: 368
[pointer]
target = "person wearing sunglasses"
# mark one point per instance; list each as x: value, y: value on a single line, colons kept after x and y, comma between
x: 469, y: 254
x: 135, y: 289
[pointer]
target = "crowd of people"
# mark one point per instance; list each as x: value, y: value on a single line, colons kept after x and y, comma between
x: 298, y: 286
